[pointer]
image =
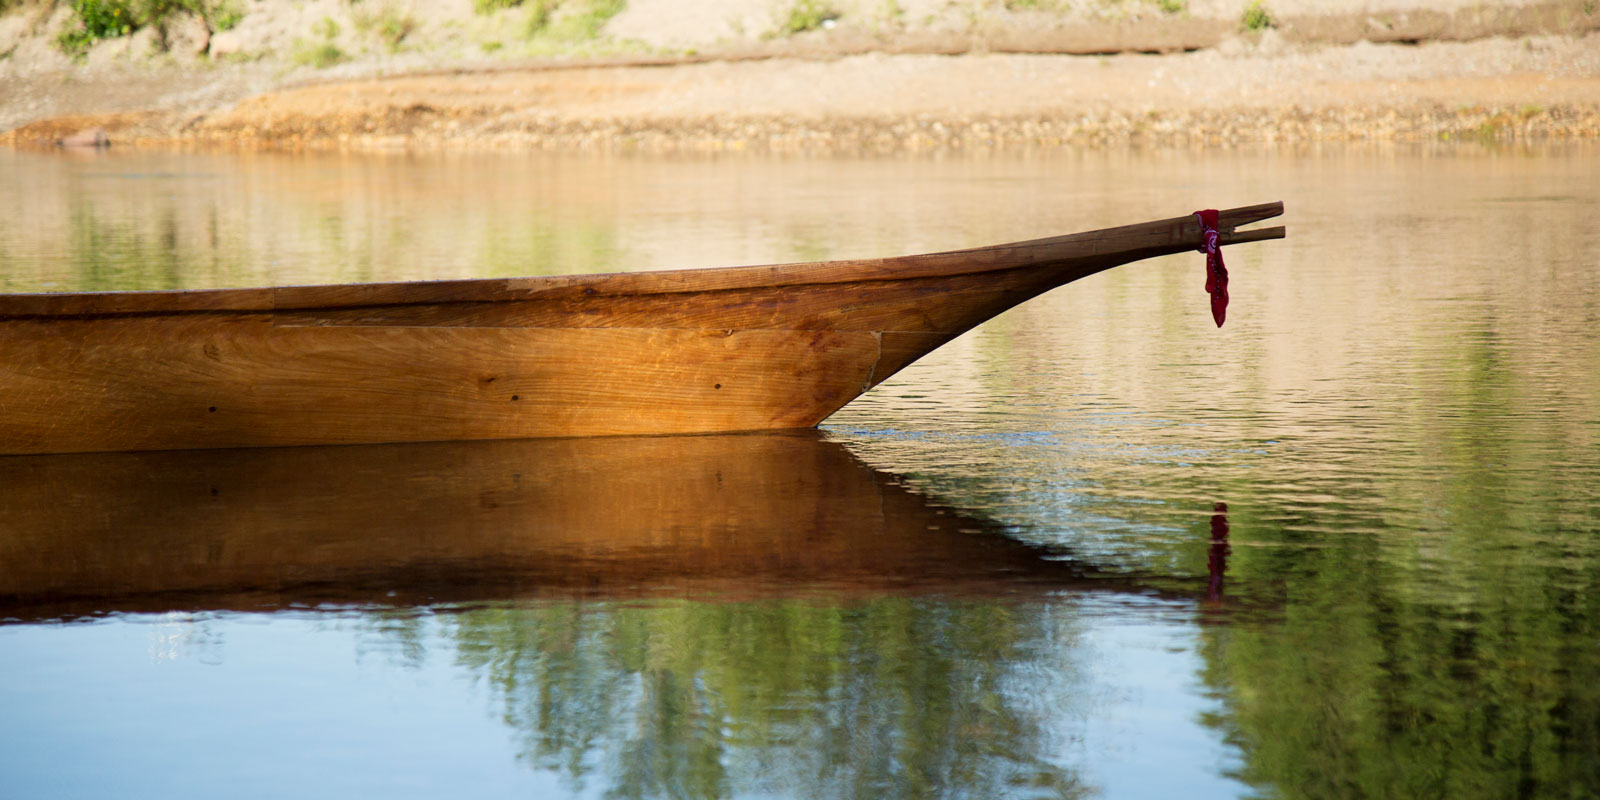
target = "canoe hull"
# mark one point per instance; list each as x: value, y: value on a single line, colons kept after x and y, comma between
x: 189, y: 382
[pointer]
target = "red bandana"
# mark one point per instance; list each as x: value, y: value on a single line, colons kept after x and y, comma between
x: 1216, y: 273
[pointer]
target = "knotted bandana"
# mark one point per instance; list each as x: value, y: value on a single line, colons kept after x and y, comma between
x: 1216, y: 272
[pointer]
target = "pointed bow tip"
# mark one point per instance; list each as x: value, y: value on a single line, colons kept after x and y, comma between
x: 1244, y: 215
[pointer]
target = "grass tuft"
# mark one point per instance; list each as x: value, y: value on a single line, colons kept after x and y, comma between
x: 491, y: 6
x: 318, y: 55
x: 94, y: 20
x: 807, y: 15
x: 556, y: 21
x: 225, y: 16
x: 538, y: 19
x: 1256, y: 17
x: 388, y: 25
x: 327, y: 28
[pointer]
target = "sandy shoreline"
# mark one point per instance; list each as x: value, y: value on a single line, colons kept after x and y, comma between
x: 1247, y: 89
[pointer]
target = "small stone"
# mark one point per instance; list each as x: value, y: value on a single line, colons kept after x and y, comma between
x: 91, y: 137
x: 226, y: 43
x: 188, y: 36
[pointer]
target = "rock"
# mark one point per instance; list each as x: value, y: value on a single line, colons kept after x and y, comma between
x: 226, y: 43
x: 188, y: 36
x: 91, y: 137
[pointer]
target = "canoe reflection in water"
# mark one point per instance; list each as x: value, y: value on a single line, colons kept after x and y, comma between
x: 412, y: 524
x: 665, y: 616
x: 1217, y: 557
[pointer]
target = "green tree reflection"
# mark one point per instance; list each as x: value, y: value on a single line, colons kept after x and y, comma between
x: 1381, y: 669
x: 889, y: 696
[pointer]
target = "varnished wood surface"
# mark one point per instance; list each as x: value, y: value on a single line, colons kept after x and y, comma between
x: 730, y: 515
x: 692, y: 351
x: 162, y: 383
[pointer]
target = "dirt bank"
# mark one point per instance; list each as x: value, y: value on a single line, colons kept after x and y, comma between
x: 927, y: 86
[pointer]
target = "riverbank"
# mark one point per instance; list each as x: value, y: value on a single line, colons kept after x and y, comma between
x: 836, y: 93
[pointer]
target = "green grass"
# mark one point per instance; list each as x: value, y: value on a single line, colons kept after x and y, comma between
x: 225, y: 15
x: 1256, y: 17
x: 388, y: 25
x: 491, y: 6
x: 326, y: 28
x: 319, y: 55
x: 539, y: 12
x: 806, y: 15
x: 94, y: 20
x: 585, y: 22
x: 567, y: 22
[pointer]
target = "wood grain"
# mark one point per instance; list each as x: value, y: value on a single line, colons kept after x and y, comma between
x: 193, y: 382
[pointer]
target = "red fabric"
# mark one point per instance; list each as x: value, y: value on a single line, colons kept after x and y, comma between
x: 1216, y: 272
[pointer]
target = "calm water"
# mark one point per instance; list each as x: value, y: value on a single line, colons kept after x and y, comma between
x: 1347, y: 546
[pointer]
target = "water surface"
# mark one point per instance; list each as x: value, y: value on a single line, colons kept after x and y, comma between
x: 1343, y: 547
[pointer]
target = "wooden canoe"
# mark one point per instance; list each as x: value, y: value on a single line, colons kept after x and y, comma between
x: 689, y: 351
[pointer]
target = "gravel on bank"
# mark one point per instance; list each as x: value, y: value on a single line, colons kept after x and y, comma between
x: 1497, y: 89
x: 933, y: 76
